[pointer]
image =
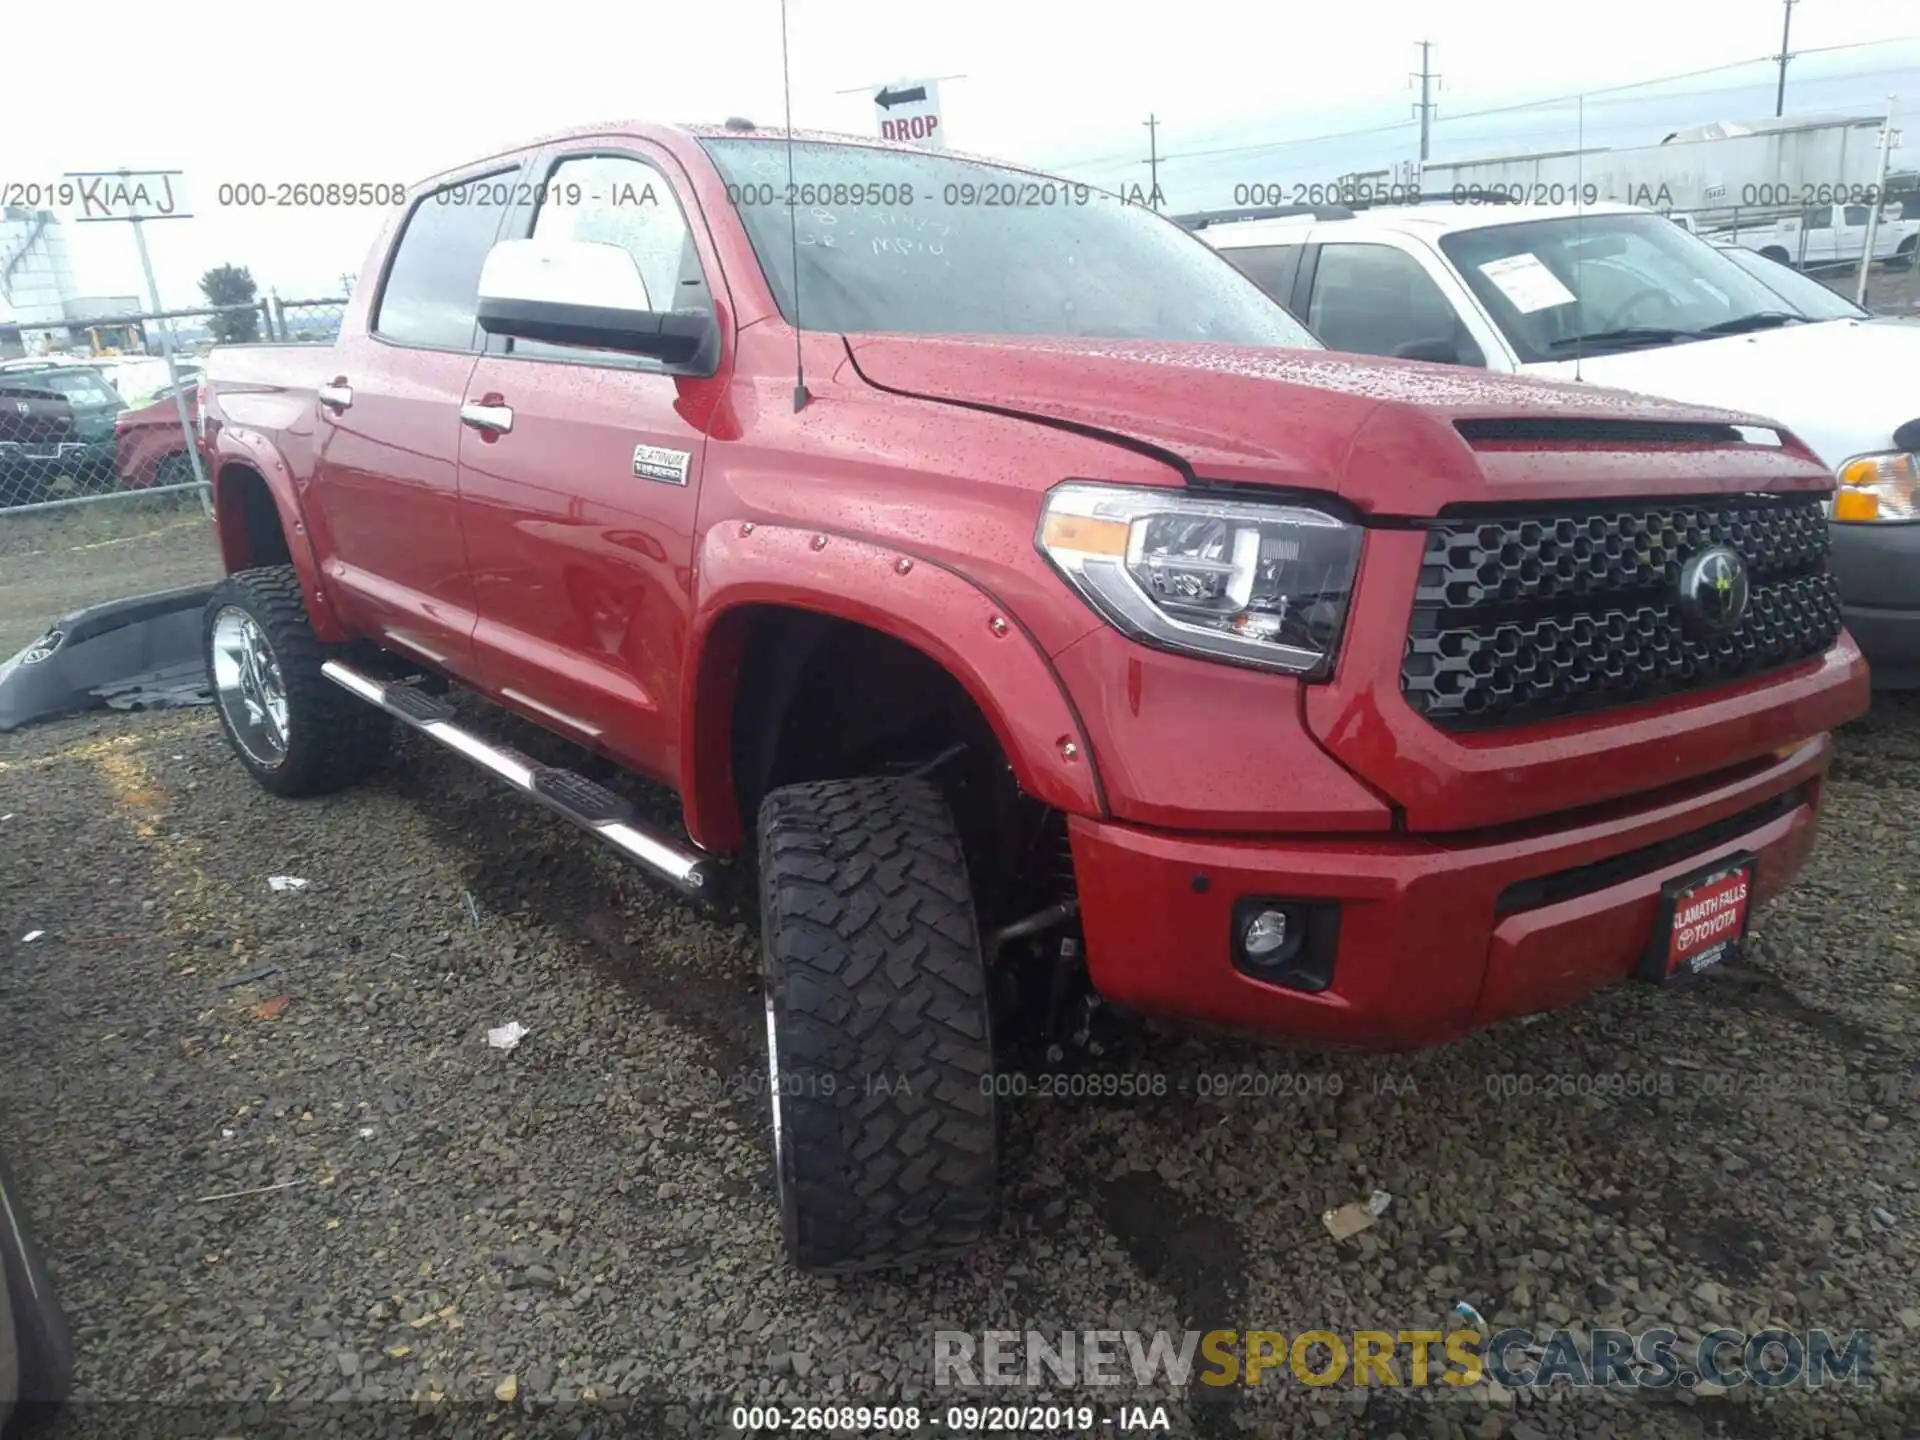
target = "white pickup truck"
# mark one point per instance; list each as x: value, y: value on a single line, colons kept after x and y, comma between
x: 1827, y: 235
x: 1620, y: 296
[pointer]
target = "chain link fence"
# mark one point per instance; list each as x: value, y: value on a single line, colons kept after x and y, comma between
x: 1831, y: 244
x: 100, y: 498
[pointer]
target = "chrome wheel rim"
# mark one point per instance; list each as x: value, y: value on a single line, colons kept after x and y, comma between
x: 249, y: 688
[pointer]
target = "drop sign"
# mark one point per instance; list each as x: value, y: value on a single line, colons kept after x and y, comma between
x: 909, y: 110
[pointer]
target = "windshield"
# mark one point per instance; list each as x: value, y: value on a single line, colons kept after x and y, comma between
x: 1803, y: 294
x: 85, y: 386
x: 1597, y: 283
x: 916, y: 243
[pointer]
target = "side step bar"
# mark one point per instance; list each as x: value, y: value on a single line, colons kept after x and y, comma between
x: 592, y: 807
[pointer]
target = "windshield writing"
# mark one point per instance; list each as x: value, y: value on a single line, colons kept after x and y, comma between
x: 906, y: 242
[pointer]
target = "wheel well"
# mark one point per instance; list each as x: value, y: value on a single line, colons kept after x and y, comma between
x: 821, y: 698
x: 1775, y: 252
x: 250, y: 530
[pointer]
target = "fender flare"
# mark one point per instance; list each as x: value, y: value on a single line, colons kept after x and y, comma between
x: 239, y: 449
x: 922, y: 604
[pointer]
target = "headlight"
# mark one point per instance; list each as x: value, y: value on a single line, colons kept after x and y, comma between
x: 1878, y: 487
x: 1259, y: 584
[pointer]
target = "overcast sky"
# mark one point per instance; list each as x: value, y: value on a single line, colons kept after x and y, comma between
x: 351, y: 90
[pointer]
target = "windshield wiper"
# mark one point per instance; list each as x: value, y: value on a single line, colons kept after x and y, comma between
x: 1759, y: 320
x: 1631, y: 335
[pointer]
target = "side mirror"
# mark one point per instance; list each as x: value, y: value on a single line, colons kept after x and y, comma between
x: 583, y: 292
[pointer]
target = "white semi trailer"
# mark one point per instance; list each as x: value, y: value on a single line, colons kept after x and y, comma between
x: 1798, y: 189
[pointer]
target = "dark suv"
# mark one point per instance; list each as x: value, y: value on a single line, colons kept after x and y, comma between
x: 95, y: 405
x: 39, y: 439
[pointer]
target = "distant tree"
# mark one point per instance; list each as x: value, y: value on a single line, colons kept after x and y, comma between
x: 231, y: 285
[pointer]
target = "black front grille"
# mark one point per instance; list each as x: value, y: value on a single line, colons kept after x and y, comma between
x: 1521, y: 618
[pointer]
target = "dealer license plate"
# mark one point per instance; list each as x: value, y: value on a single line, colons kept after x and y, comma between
x: 1702, y: 920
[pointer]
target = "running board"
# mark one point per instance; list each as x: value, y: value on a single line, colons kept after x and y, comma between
x: 592, y: 807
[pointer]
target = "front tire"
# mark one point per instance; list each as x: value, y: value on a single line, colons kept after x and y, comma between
x: 296, y: 732
x: 880, y: 1045
x: 43, y: 1346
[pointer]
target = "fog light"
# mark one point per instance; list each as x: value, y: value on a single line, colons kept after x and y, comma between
x: 1265, y: 933
x: 1286, y: 942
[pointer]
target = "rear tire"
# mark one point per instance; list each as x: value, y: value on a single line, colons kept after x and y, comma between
x: 880, y: 1044
x: 174, y: 469
x: 295, y: 731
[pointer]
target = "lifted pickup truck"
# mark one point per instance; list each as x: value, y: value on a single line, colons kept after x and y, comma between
x: 1067, y: 636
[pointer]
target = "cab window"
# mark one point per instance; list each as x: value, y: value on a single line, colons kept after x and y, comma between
x: 433, y: 283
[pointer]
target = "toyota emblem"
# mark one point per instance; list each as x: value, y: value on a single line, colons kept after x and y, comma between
x: 1713, y: 591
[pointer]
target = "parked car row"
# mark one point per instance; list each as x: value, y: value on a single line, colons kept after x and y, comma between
x: 1618, y: 296
x: 67, y: 427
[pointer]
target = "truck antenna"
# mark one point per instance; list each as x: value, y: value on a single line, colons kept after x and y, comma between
x: 800, y: 395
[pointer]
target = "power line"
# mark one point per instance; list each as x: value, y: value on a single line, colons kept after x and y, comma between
x: 1489, y: 110
x: 1547, y: 133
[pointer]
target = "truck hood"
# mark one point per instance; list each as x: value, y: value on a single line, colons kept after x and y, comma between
x: 1389, y: 436
x: 1843, y: 386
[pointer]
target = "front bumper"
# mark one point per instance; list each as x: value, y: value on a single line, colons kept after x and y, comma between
x: 1878, y: 569
x: 1437, y: 936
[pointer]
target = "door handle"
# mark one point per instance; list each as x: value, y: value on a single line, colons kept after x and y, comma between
x: 338, y: 395
x: 491, y: 419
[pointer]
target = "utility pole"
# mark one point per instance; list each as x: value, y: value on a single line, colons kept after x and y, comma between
x: 1786, y: 29
x: 1873, y: 210
x: 1426, y: 77
x: 1152, y: 122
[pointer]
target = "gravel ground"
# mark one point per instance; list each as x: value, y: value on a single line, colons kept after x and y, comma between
x: 55, y: 561
x: 591, y: 1217
x: 1889, y: 292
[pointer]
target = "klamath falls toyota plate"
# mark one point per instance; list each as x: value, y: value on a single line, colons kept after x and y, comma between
x: 1702, y: 919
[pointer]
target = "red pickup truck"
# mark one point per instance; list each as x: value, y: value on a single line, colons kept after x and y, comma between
x: 1064, y: 634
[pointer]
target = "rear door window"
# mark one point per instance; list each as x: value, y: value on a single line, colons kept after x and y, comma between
x: 1271, y: 267
x: 433, y: 281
